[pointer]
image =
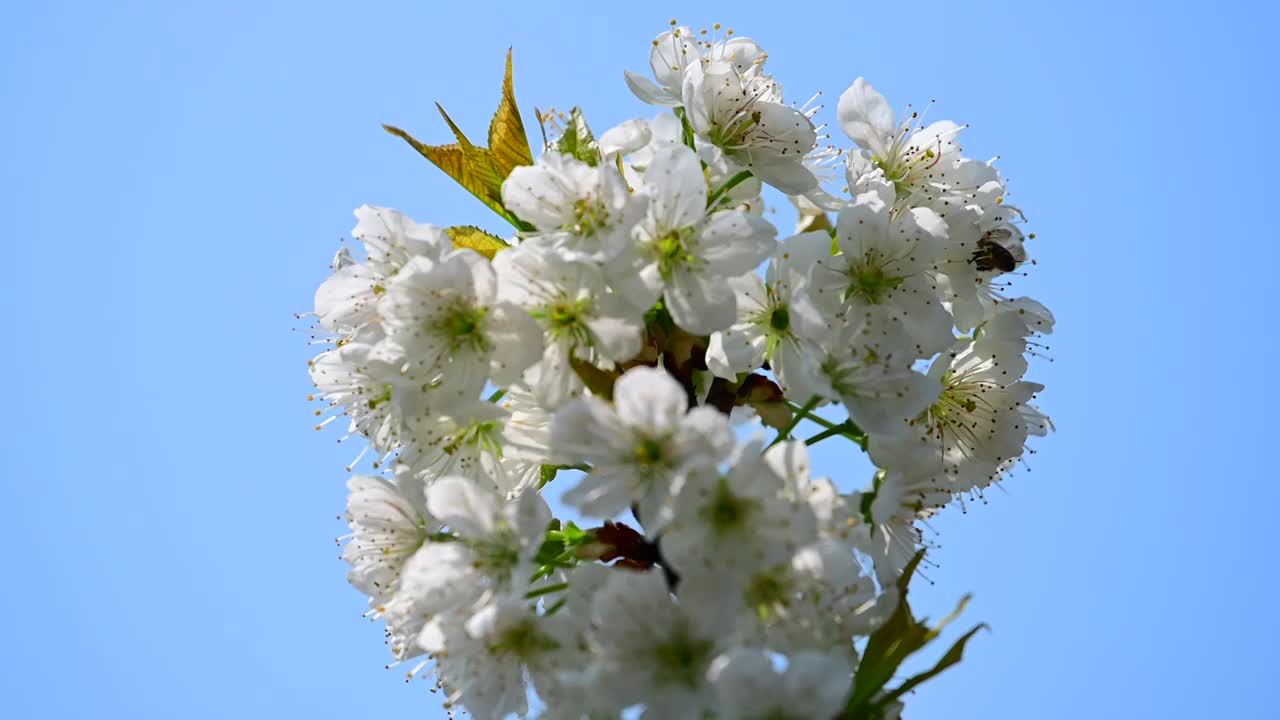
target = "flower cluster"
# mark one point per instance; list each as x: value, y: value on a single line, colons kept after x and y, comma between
x: 645, y: 341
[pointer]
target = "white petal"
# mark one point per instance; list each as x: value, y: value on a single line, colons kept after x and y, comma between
x: 700, y: 304
x: 677, y: 188
x: 626, y: 138
x: 740, y: 348
x: 649, y: 399
x: 790, y: 461
x: 635, y: 278
x: 735, y: 242
x: 587, y: 430
x: 865, y: 116
x: 746, y: 683
x: 466, y: 508
x: 648, y: 91
x: 787, y: 174
x: 536, y: 195
x: 861, y: 227
x: 553, y: 379
x: 616, y: 331
x: 673, y: 51
x: 796, y: 256
x: 346, y: 298
x: 530, y: 517
x: 516, y: 340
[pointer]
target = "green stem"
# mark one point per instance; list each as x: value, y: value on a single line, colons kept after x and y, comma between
x: 729, y: 184
x: 497, y: 395
x: 796, y: 416
x: 545, y: 590
x: 829, y: 432
x: 804, y: 413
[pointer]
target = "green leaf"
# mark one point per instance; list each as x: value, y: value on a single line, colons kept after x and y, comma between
x: 954, y: 655
x: 477, y: 169
x: 508, y: 141
x: 577, y: 139
x: 469, y: 166
x: 547, y: 475
x: 888, y: 646
x: 900, y: 636
x: 470, y: 236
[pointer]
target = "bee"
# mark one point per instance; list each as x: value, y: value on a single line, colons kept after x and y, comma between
x: 993, y: 255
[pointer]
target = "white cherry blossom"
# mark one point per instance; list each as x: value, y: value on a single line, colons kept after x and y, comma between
x: 388, y: 525
x: 581, y: 212
x: 390, y: 239
x: 684, y: 254
x: 919, y: 160
x: 618, y: 351
x: 768, y: 322
x: 743, y: 114
x: 652, y: 649
x: 641, y: 448
x: 449, y: 331
x: 884, y: 267
x: 581, y: 320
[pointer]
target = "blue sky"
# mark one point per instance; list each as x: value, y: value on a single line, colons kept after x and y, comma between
x: 176, y: 177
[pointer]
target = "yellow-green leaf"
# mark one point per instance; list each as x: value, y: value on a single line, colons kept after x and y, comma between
x: 469, y: 166
x: 507, y: 139
x: 470, y: 236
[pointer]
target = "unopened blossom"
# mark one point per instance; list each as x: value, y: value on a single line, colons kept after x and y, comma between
x: 682, y: 253
x: 678, y: 50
